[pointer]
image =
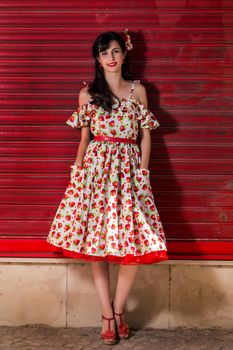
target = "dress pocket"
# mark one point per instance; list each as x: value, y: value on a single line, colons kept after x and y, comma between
x: 142, y: 182
x: 144, y: 171
x: 76, y: 172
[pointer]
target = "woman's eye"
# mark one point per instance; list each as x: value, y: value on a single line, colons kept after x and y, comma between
x: 105, y: 53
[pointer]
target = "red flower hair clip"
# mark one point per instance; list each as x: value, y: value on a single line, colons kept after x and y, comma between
x: 127, y: 39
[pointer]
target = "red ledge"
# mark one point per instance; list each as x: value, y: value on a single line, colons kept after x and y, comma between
x: 179, y: 250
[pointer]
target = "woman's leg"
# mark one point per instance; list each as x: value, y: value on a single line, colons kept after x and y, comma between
x: 126, y: 276
x: 100, y: 271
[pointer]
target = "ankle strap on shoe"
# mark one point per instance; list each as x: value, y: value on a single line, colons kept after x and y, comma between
x: 120, y: 314
x: 108, y: 319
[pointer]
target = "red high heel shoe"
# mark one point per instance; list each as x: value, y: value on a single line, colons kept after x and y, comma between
x: 109, y: 336
x: 123, y: 328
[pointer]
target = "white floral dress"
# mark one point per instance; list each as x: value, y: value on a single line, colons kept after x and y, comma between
x: 108, y: 211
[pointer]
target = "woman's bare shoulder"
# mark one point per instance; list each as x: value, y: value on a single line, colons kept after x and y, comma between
x: 140, y: 93
x: 84, y: 96
x: 139, y: 88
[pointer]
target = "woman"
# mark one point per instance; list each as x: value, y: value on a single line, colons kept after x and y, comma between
x: 107, y: 213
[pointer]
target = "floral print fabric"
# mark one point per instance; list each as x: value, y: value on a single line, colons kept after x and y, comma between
x: 108, y: 211
x: 125, y: 125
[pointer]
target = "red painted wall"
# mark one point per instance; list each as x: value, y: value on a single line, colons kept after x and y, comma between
x: 182, y: 53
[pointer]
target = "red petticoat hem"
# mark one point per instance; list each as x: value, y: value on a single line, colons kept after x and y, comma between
x: 149, y: 258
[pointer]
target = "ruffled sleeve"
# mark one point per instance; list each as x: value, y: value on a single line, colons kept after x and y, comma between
x: 147, y: 118
x: 82, y: 116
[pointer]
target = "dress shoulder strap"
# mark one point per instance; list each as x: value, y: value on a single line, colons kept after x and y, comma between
x: 135, y: 82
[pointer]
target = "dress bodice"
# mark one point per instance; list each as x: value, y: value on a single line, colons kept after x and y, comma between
x: 121, y: 122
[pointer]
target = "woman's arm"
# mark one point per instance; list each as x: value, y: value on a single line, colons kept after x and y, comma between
x: 144, y: 132
x: 85, y: 130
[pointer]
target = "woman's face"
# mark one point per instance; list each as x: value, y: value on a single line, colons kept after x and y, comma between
x: 112, y: 58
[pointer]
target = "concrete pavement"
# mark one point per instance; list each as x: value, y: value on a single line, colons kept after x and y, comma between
x: 32, y: 337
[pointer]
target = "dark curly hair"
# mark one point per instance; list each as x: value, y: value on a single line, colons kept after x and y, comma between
x: 99, y: 89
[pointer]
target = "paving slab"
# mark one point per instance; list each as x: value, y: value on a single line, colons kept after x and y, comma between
x: 32, y: 337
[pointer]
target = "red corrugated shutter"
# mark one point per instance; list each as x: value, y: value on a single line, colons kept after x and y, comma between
x: 182, y: 53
